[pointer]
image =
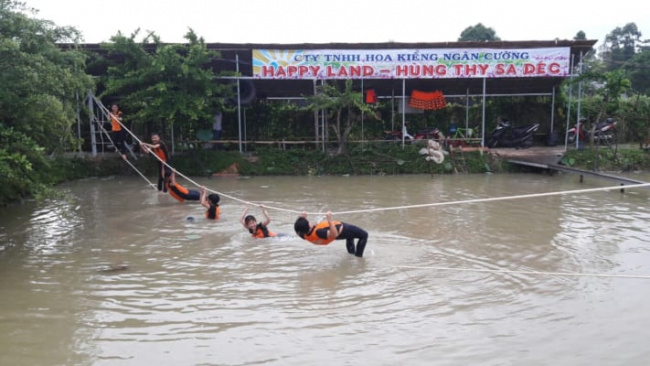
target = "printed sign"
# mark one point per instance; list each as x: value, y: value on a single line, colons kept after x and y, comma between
x: 411, y: 63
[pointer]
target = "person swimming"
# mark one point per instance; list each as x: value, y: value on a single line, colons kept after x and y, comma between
x: 211, y: 202
x: 257, y: 230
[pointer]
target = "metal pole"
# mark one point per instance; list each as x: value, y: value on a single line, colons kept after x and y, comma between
x: 467, y: 110
x: 93, y: 138
x: 579, y: 102
x: 322, y: 135
x: 323, y: 123
x: 552, y: 109
x: 483, y: 113
x: 392, y: 110
x: 316, y: 137
x: 238, y: 102
x: 76, y: 96
x: 568, y: 115
x: 403, y: 109
x: 362, y: 101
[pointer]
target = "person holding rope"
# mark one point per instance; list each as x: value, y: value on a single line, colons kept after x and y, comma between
x: 178, y: 191
x: 158, y: 148
x: 211, y: 202
x: 117, y: 132
x: 257, y: 230
x: 325, y: 232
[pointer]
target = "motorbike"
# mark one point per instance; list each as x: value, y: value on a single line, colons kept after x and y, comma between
x: 604, y: 132
x: 505, y: 135
x: 426, y: 134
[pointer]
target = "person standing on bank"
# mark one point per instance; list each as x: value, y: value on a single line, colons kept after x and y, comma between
x: 325, y: 232
x: 158, y: 147
x: 117, y: 132
x: 216, y: 129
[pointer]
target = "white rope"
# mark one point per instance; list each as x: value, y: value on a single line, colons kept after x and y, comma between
x: 502, y: 198
x: 435, y: 204
x: 118, y: 152
x: 504, y: 271
x: 98, y: 102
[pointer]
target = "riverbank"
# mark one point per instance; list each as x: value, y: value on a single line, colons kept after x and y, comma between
x: 385, y: 159
x: 393, y: 160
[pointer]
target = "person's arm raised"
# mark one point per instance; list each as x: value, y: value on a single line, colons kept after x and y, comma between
x: 333, y: 232
x: 204, y: 200
x: 267, y: 219
x: 242, y: 219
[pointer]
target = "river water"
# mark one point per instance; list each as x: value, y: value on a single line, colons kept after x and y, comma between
x: 532, y: 281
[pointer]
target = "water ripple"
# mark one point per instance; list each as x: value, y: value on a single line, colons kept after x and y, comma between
x: 125, y: 279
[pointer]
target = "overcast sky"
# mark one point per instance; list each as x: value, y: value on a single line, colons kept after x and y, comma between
x: 348, y: 21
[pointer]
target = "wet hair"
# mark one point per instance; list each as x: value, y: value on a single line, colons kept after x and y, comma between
x: 301, y: 226
x: 214, y: 198
x: 249, y: 218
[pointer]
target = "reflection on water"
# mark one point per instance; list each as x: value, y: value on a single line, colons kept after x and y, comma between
x: 205, y: 293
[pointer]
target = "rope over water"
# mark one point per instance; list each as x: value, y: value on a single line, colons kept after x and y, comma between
x: 435, y: 204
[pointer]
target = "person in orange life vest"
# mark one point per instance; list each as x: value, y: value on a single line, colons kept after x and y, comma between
x: 117, y: 132
x: 257, y: 230
x: 211, y: 202
x: 325, y: 232
x: 158, y: 148
x: 178, y: 191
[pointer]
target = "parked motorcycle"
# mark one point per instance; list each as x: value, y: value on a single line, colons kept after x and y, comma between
x: 426, y: 134
x: 604, y: 132
x: 504, y: 135
x: 432, y: 133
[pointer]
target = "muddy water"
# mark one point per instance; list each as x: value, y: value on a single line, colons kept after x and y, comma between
x: 465, y: 284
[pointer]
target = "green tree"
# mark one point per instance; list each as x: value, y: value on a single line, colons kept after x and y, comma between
x: 609, y: 89
x: 345, y: 106
x: 171, y: 85
x: 39, y: 85
x: 638, y: 68
x: 611, y: 86
x: 580, y: 36
x: 478, y: 33
x: 637, y: 115
x: 39, y: 81
x: 620, y: 45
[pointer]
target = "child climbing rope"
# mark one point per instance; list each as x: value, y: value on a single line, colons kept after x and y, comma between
x: 211, y: 202
x: 178, y: 191
x: 257, y: 230
x: 325, y: 232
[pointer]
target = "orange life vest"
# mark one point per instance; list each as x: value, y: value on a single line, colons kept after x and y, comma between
x: 178, y: 191
x: 262, y: 232
x: 213, y: 212
x: 115, y: 124
x: 161, y: 151
x: 315, y: 239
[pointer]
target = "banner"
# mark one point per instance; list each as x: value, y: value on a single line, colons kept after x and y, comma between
x: 411, y: 63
